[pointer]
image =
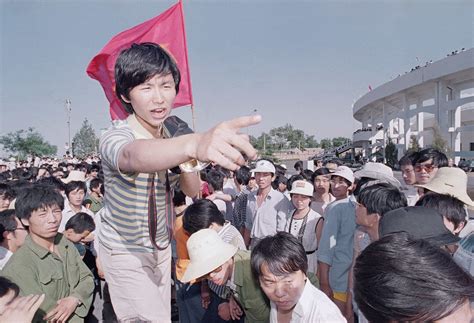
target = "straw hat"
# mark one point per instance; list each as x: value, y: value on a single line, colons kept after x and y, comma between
x: 452, y: 181
x: 206, y: 251
x: 75, y: 176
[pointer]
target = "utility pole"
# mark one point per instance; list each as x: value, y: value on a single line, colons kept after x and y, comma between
x: 68, y: 110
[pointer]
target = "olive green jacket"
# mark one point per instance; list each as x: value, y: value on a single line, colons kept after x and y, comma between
x: 248, y: 293
x: 38, y: 271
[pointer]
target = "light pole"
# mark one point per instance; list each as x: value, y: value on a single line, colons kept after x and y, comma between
x: 68, y: 110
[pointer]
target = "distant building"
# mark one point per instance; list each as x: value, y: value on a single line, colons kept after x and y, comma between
x: 437, y: 96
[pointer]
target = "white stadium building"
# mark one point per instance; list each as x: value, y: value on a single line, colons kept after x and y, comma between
x: 432, y: 101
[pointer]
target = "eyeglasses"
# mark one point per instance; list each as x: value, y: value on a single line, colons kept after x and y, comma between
x: 426, y: 167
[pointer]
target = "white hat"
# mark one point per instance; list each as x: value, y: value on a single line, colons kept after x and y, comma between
x: 206, y: 252
x: 283, y: 166
x: 344, y: 172
x: 75, y: 176
x: 452, y: 181
x: 302, y: 187
x: 378, y: 171
x: 264, y: 166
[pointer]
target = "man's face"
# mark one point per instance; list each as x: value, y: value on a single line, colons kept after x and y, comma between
x: 321, y: 184
x: 252, y: 183
x: 264, y: 180
x: 76, y: 197
x: 76, y: 237
x: 408, y: 174
x: 58, y: 174
x: 339, y: 187
x: 285, y: 291
x: 19, y: 234
x: 425, y: 171
x: 363, y: 218
x: 4, y: 202
x: 94, y: 173
x: 44, y: 222
x: 221, y: 274
x: 152, y: 101
x: 282, y: 187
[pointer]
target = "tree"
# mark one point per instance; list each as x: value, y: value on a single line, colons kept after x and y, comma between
x: 391, y: 153
x: 339, y: 141
x: 438, y: 141
x: 27, y: 142
x: 414, y: 146
x: 326, y: 143
x: 85, y: 141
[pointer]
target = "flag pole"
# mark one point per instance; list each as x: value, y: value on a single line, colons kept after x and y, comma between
x: 193, y: 116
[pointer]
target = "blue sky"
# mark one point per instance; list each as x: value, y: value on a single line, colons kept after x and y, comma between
x: 298, y: 62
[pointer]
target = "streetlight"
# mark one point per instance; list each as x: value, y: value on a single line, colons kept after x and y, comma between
x: 68, y: 110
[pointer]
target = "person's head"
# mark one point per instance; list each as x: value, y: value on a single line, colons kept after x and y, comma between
x: 12, y: 231
x: 52, y: 181
x: 179, y: 198
x: 426, y: 164
x: 264, y: 173
x: 281, y: 182
x: 420, y: 223
x: 298, y: 166
x: 94, y: 171
x: 202, y: 214
x: 321, y: 180
x: 292, y: 179
x: 6, y: 196
x: 242, y: 176
x: 40, y: 209
x: 8, y: 292
x: 252, y: 185
x: 215, y: 179
x: 79, y: 227
x: 301, y: 194
x: 406, y: 166
x: 147, y: 82
x: 75, y: 193
x: 376, y: 200
x: 453, y: 210
x: 280, y: 264
x: 373, y: 173
x: 397, y: 279
x: 95, y: 185
x: 341, y: 182
x: 209, y: 257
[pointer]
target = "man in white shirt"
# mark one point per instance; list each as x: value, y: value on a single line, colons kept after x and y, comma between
x: 279, y: 263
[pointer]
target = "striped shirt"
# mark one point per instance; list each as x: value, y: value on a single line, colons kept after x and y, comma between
x: 124, y: 224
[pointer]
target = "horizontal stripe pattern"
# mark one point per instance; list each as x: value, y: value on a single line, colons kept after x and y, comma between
x: 125, y: 218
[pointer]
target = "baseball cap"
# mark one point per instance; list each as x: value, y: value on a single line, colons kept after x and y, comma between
x: 264, y: 166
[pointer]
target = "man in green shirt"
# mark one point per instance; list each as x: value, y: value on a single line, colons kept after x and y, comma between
x: 48, y: 263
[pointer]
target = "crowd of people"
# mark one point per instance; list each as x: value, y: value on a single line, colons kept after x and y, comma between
x: 227, y: 239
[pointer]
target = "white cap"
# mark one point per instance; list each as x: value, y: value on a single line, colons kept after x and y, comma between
x: 302, y: 187
x: 264, y: 166
x: 344, y: 172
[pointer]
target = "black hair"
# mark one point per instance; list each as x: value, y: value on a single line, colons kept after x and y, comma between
x: 365, y: 182
x: 293, y: 178
x: 36, y: 197
x: 215, y: 179
x: 7, y: 285
x: 95, y: 183
x: 320, y: 172
x: 381, y: 198
x: 439, y: 159
x: 449, y: 206
x: 408, y: 159
x: 282, y: 254
x: 200, y: 215
x: 179, y: 198
x: 298, y: 166
x: 307, y: 173
x: 242, y: 175
x: 139, y: 63
x: 7, y: 222
x: 6, y: 191
x: 401, y: 279
x: 80, y: 222
x: 73, y: 185
x: 52, y: 181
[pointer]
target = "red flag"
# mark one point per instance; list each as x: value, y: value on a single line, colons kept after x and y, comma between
x: 167, y: 30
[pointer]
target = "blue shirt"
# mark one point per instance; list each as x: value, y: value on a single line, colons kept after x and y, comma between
x: 337, y: 242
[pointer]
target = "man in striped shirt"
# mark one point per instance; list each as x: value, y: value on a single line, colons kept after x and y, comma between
x: 136, y: 154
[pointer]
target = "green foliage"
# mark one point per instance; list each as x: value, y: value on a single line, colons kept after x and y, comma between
x: 326, y: 143
x: 339, y: 141
x: 391, y: 154
x: 414, y: 146
x: 85, y: 141
x: 284, y: 137
x: 438, y: 142
x: 27, y: 142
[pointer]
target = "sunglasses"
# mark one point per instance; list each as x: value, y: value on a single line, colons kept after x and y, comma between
x: 427, y: 167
